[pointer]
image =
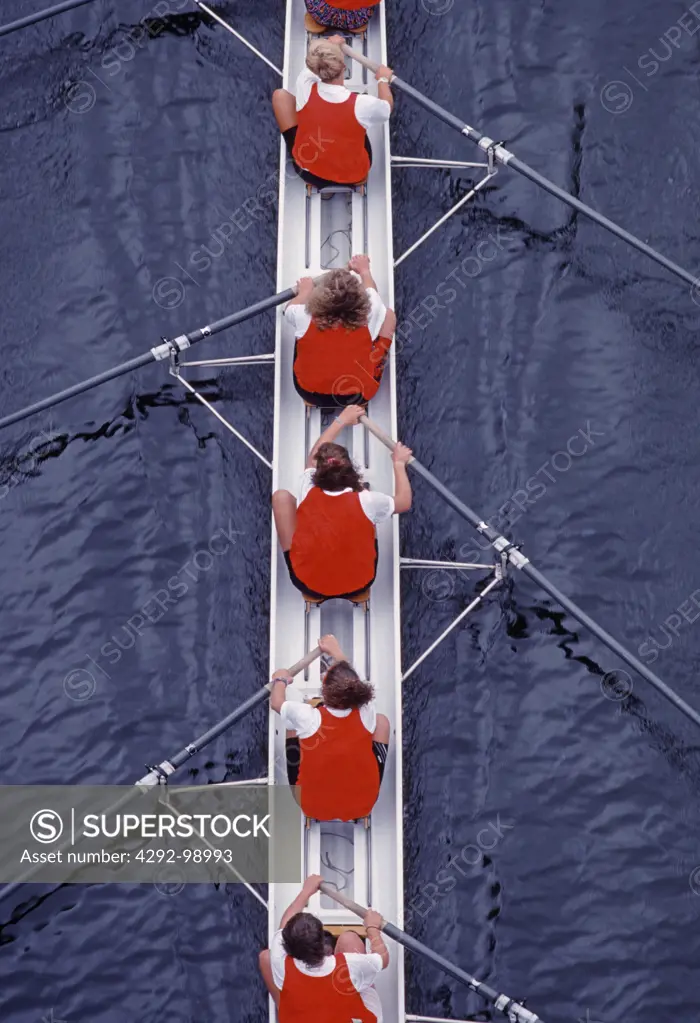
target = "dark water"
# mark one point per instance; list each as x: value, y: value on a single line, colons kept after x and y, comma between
x: 550, y: 830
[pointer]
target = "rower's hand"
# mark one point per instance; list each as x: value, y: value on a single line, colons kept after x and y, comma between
x: 350, y: 416
x: 384, y: 72
x: 305, y: 285
x: 360, y: 264
x: 330, y: 645
x: 312, y: 884
x: 373, y: 919
x: 280, y: 673
x: 401, y: 455
x: 337, y: 40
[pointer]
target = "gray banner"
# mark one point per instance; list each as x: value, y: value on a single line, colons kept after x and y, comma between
x: 165, y: 835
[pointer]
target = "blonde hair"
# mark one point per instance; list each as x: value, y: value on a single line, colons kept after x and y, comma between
x: 339, y: 300
x: 325, y: 60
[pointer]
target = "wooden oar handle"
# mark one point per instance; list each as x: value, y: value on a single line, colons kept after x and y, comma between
x: 306, y: 660
x: 359, y: 57
x: 354, y: 907
x: 380, y: 435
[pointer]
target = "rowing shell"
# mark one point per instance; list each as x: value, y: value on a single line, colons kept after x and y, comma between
x: 314, y: 234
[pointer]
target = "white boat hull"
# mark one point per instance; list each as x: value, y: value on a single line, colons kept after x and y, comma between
x: 336, y: 231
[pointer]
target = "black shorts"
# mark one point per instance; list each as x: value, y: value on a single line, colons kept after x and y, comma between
x: 293, y: 751
x: 303, y: 588
x: 289, y: 137
x: 329, y: 400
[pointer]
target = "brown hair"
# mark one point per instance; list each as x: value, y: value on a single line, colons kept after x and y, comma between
x: 339, y: 300
x: 303, y: 938
x: 325, y: 60
x: 334, y: 469
x: 343, y: 689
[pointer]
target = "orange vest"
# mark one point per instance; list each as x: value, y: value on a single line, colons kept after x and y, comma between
x: 351, y: 5
x: 333, y: 548
x: 338, y: 773
x: 330, y: 999
x: 330, y: 141
x: 339, y: 361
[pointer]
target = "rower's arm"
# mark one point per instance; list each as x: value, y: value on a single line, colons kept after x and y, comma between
x: 330, y: 646
x: 278, y: 693
x: 403, y: 495
x: 360, y: 264
x: 305, y: 285
x: 350, y: 416
x: 376, y: 944
x: 327, y: 437
x: 373, y: 925
x: 383, y: 88
x: 299, y: 905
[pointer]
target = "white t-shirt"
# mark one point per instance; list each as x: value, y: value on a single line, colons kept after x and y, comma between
x: 362, y: 968
x: 305, y: 720
x: 301, y: 320
x: 369, y: 110
x: 377, y: 507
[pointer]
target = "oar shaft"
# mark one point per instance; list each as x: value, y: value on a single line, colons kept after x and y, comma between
x: 168, y: 767
x: 71, y: 392
x: 612, y: 643
x: 602, y: 221
x: 33, y: 19
x: 501, y: 544
x: 501, y: 1002
x: 162, y: 351
x: 244, y: 314
x: 504, y: 156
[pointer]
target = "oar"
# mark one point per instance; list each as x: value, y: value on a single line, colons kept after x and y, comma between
x: 229, y: 28
x: 164, y: 351
x: 504, y: 546
x: 504, y: 156
x: 162, y: 772
x: 32, y: 19
x: 513, y: 1010
x: 167, y: 767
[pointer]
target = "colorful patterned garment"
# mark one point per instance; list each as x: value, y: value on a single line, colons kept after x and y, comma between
x: 331, y: 17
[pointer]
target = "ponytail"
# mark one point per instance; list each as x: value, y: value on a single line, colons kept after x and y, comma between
x: 334, y: 469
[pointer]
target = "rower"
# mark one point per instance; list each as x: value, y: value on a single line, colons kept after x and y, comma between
x: 337, y: 750
x: 343, y: 334
x: 348, y: 15
x: 310, y: 986
x: 325, y: 125
x: 329, y: 537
